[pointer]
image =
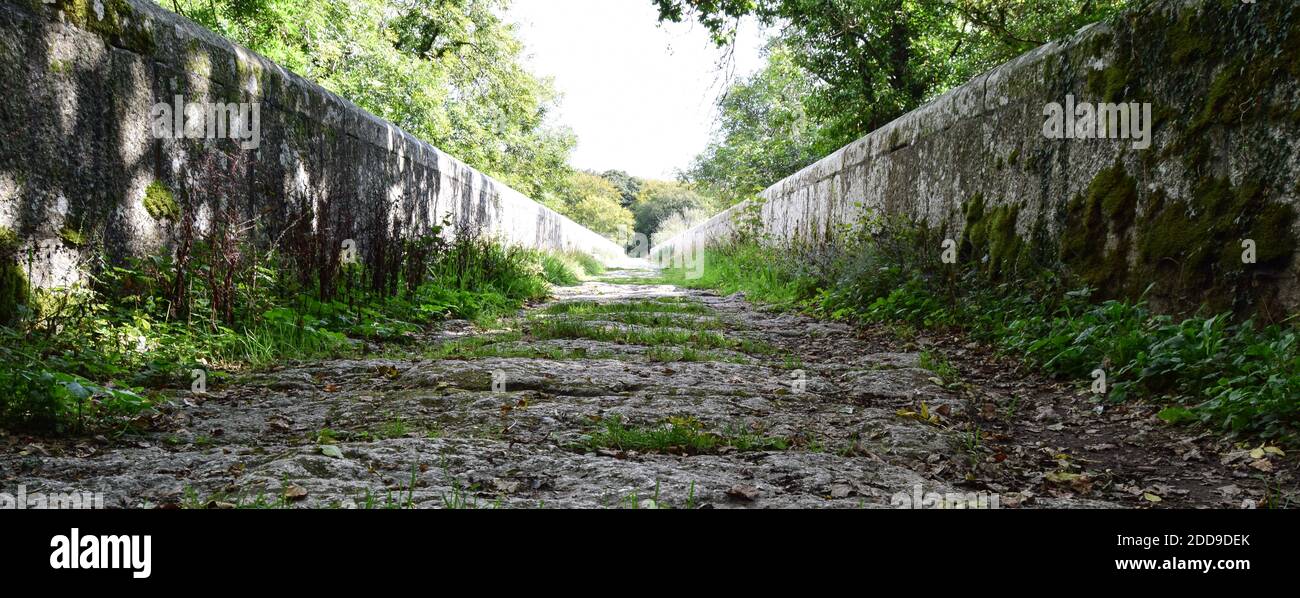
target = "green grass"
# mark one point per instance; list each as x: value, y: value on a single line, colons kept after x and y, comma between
x: 561, y: 272
x: 570, y: 268
x: 652, y: 320
x: 508, y: 345
x: 697, y: 339
x: 589, y: 264
x: 660, y: 305
x: 763, y: 274
x: 938, y: 364
x: 1239, y: 377
x: 659, y: 320
x: 690, y: 355
x: 676, y: 436
x: 190, y: 499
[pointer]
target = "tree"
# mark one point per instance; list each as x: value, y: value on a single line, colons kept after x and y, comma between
x: 660, y: 199
x: 448, y: 71
x: 763, y: 133
x: 593, y: 202
x: 877, y: 59
x: 628, y: 185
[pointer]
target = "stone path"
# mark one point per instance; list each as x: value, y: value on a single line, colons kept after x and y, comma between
x: 587, y: 402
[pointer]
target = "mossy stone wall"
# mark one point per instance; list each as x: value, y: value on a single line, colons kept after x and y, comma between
x: 80, y: 166
x: 1167, y: 222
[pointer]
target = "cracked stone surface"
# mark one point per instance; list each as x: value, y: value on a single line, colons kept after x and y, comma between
x: 863, y: 422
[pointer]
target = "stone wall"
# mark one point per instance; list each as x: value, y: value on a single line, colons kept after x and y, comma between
x: 79, y: 155
x: 977, y: 166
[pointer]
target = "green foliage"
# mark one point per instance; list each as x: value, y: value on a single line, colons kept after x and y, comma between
x: 13, y: 283
x: 628, y: 186
x: 559, y: 271
x: 589, y: 264
x: 450, y: 72
x: 763, y: 133
x: 762, y: 274
x: 82, y: 359
x: 38, y: 397
x: 839, y: 70
x: 595, y: 203
x: 569, y: 268
x: 659, y: 200
x: 1240, y: 377
x: 877, y: 59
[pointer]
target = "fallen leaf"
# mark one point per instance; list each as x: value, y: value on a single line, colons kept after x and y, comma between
x: 1078, y: 482
x: 1263, y: 465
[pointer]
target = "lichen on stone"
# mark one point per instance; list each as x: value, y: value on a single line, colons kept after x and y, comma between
x: 115, y: 20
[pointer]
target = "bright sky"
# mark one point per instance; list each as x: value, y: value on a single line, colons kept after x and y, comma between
x: 640, y: 96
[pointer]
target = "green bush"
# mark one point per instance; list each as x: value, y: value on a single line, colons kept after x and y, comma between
x: 1239, y: 377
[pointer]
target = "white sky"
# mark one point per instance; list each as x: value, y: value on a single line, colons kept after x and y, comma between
x: 640, y: 96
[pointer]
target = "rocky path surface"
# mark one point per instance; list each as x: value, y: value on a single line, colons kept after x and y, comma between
x: 637, y: 395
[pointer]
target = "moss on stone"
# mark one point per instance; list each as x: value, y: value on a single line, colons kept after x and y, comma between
x: 72, y: 236
x: 991, y: 241
x: 1185, y: 40
x: 1193, y: 250
x: 62, y: 67
x: 1242, y: 87
x: 1095, y: 238
x: 247, y: 71
x: 114, y: 20
x: 1110, y: 84
x: 13, y: 283
x: 160, y: 203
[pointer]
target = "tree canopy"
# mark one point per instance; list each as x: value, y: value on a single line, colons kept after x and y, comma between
x: 762, y: 130
x: 594, y: 202
x: 448, y: 71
